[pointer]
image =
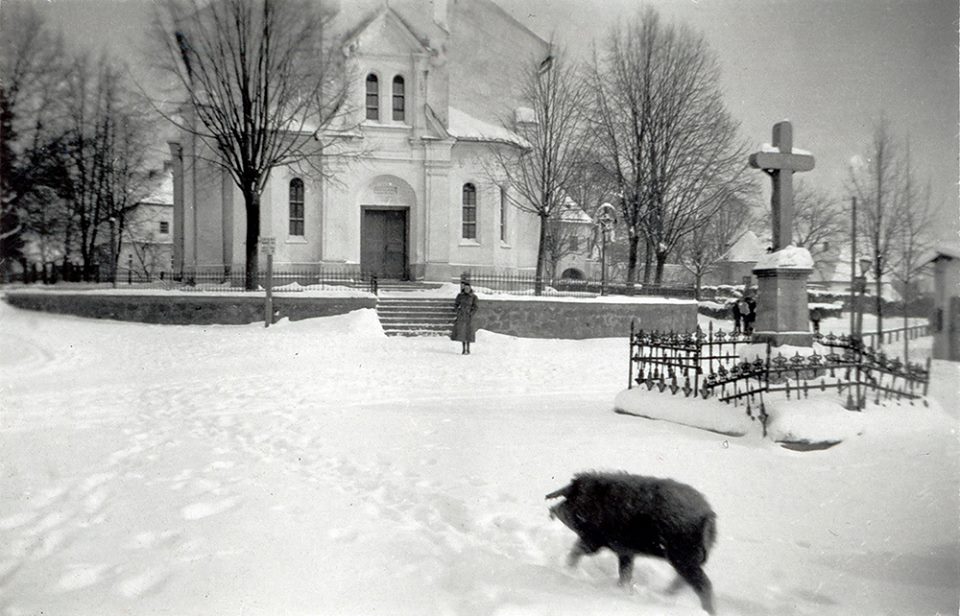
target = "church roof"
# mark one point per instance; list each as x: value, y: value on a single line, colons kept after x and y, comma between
x: 465, y: 127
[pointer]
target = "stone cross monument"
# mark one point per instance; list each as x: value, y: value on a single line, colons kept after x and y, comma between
x: 782, y: 313
x: 781, y: 163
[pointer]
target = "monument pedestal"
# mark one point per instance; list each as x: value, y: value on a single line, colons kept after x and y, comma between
x: 782, y: 313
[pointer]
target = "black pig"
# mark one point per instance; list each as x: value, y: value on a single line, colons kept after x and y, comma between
x: 632, y: 515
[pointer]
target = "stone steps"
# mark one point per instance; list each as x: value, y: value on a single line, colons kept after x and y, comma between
x: 415, y: 316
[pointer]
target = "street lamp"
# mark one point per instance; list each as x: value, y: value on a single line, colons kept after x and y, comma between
x: 605, y: 217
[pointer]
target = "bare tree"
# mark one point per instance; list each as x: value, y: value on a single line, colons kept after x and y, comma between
x: 913, y: 240
x: 879, y: 186
x: 818, y: 219
x: 665, y: 134
x: 263, y: 81
x: 540, y: 173
x: 31, y: 70
x: 108, y: 138
x: 711, y: 239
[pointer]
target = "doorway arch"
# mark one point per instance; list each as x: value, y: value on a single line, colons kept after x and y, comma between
x: 385, y: 230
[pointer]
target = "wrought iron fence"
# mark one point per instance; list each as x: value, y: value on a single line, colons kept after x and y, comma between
x: 289, y: 279
x: 525, y: 284
x: 708, y: 364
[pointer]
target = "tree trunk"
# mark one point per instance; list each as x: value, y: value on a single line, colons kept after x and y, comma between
x: 541, y: 257
x: 697, y: 283
x: 251, y: 200
x: 633, y: 257
x: 879, y: 336
x: 661, y: 261
x: 648, y: 262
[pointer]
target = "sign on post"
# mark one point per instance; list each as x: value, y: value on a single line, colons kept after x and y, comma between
x: 267, y: 246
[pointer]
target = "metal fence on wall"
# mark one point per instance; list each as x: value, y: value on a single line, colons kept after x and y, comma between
x: 288, y: 279
x: 525, y: 284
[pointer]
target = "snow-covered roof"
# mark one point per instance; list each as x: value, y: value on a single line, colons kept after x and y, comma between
x: 163, y: 194
x: 748, y: 248
x: 572, y: 212
x: 464, y: 127
x: 950, y: 250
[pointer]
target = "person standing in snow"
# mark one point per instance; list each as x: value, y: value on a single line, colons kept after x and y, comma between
x: 735, y: 309
x: 748, y: 311
x: 465, y: 306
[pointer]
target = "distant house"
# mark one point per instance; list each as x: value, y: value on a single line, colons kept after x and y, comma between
x: 146, y: 244
x: 576, y: 250
x: 945, y: 320
x: 739, y: 260
x: 831, y: 273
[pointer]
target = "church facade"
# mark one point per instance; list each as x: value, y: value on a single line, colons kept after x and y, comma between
x: 435, y: 80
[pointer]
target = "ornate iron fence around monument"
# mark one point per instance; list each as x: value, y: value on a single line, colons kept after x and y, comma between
x: 709, y: 364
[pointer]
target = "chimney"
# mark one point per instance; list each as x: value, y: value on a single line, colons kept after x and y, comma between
x: 440, y: 13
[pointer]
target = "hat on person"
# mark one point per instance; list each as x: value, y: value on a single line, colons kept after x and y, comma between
x: 464, y: 278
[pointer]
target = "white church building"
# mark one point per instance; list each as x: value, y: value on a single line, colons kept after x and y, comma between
x: 435, y: 82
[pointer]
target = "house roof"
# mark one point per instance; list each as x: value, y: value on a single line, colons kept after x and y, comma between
x: 572, y: 212
x: 943, y: 250
x: 163, y: 193
x: 747, y: 249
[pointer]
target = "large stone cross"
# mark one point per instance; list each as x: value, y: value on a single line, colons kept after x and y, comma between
x: 781, y: 163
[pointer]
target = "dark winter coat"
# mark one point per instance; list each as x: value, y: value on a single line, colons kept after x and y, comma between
x: 750, y: 315
x: 465, y: 306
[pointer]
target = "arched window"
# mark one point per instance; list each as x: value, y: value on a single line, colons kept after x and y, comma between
x: 469, y: 202
x: 398, y: 99
x: 296, y: 207
x: 373, y: 97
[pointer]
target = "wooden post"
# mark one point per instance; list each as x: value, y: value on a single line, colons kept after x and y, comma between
x: 268, y: 305
x: 853, y: 264
x: 267, y: 245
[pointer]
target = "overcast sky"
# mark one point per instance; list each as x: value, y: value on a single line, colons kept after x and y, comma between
x: 830, y: 66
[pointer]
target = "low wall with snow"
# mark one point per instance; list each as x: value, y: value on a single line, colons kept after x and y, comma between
x: 184, y: 309
x: 573, y: 319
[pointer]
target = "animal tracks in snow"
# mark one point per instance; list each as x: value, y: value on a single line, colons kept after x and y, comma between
x: 205, y: 509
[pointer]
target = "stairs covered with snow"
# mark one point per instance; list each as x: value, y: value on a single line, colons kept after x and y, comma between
x: 415, y: 316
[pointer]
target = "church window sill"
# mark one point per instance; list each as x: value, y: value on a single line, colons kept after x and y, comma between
x: 297, y: 240
x: 391, y: 126
x: 469, y: 242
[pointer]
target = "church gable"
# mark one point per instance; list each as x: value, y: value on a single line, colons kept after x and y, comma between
x: 385, y: 34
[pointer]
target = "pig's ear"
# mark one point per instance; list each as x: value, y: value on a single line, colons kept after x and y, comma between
x: 564, y: 491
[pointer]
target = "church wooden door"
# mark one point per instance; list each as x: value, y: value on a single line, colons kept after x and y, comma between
x: 383, y: 243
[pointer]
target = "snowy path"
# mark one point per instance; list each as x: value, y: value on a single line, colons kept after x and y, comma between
x: 321, y: 468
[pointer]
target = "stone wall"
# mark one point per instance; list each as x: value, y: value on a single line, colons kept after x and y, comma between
x: 184, y: 309
x: 525, y: 318
x: 582, y: 319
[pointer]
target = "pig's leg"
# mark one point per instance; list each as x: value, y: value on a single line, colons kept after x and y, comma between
x: 694, y: 575
x: 626, y: 568
x: 579, y: 549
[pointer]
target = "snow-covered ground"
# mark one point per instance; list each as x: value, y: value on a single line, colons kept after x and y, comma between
x: 319, y: 467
